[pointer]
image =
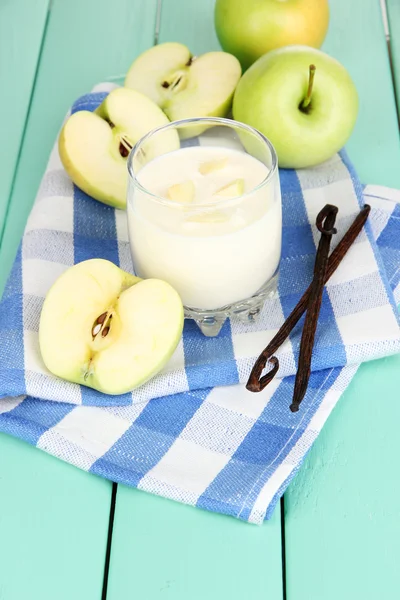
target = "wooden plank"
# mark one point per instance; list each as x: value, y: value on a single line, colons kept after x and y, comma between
x: 342, y: 525
x: 53, y: 526
x: 393, y: 10
x: 356, y: 38
x: 53, y: 517
x: 88, y: 41
x: 22, y: 26
x: 162, y: 549
x: 181, y: 552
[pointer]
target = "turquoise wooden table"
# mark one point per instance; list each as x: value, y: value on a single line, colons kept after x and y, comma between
x: 66, y: 534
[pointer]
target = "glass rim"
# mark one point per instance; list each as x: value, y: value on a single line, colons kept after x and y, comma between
x: 217, y: 121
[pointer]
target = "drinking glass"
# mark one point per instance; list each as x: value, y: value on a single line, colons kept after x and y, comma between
x: 222, y: 256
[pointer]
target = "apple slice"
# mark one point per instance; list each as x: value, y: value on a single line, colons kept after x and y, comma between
x: 231, y: 190
x: 213, y: 165
x: 106, y: 329
x: 184, y: 86
x: 94, y: 146
x: 182, y: 192
x: 211, y: 217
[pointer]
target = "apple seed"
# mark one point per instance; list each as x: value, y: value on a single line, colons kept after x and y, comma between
x: 124, y: 147
x: 96, y: 329
x: 102, y: 318
x: 98, y: 326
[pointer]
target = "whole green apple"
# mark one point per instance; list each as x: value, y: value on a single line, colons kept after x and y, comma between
x: 250, y: 28
x: 303, y: 100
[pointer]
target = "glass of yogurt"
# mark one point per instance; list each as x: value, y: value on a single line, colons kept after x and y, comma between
x: 204, y: 214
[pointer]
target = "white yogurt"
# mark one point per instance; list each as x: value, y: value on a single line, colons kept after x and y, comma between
x: 214, y: 251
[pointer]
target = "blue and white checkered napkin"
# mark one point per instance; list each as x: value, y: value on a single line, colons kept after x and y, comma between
x: 191, y: 434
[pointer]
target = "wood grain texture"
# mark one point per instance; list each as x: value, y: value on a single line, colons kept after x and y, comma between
x: 53, y: 517
x: 22, y: 26
x: 356, y: 37
x: 162, y: 549
x: 393, y: 10
x: 342, y: 517
x: 87, y: 41
x: 180, y: 552
x: 53, y: 526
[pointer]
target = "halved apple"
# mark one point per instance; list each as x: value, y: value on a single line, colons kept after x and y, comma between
x: 185, y: 86
x: 94, y: 146
x: 106, y: 329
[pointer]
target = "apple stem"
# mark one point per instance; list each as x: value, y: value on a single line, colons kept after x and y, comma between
x: 307, y: 100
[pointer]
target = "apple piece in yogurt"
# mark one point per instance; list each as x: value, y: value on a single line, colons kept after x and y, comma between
x: 182, y: 192
x: 213, y: 165
x: 231, y: 190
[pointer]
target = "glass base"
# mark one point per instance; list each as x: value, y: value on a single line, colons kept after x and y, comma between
x: 210, y: 322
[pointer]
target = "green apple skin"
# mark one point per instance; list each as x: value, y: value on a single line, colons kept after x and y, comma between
x: 144, y: 329
x: 90, y: 143
x: 269, y: 96
x: 250, y: 28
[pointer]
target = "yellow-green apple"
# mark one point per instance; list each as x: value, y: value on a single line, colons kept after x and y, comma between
x: 185, y: 86
x: 303, y: 100
x: 250, y: 28
x: 94, y: 146
x: 106, y: 329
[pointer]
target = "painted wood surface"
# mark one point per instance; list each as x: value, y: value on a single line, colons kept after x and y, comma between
x: 53, y: 517
x: 181, y: 552
x: 22, y: 27
x: 342, y: 524
x: 393, y: 10
x: 342, y: 520
x: 53, y: 526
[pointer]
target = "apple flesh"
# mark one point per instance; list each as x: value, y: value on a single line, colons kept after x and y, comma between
x: 106, y: 329
x: 182, y: 192
x: 213, y: 165
x: 231, y: 190
x: 250, y: 28
x: 307, y: 121
x: 185, y: 86
x: 94, y: 146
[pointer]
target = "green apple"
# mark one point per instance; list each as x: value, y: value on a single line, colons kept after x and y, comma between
x: 94, y: 146
x: 106, y: 329
x: 303, y: 100
x: 185, y: 86
x: 250, y: 28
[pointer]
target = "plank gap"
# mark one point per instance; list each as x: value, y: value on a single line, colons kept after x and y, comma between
x: 391, y: 62
x: 393, y: 75
x: 158, y: 22
x: 109, y: 541
x: 283, y: 548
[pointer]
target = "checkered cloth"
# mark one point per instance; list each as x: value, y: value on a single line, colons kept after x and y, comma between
x: 191, y: 434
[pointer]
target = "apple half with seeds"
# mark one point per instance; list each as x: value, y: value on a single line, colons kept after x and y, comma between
x: 185, y: 86
x: 106, y: 329
x: 94, y: 146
